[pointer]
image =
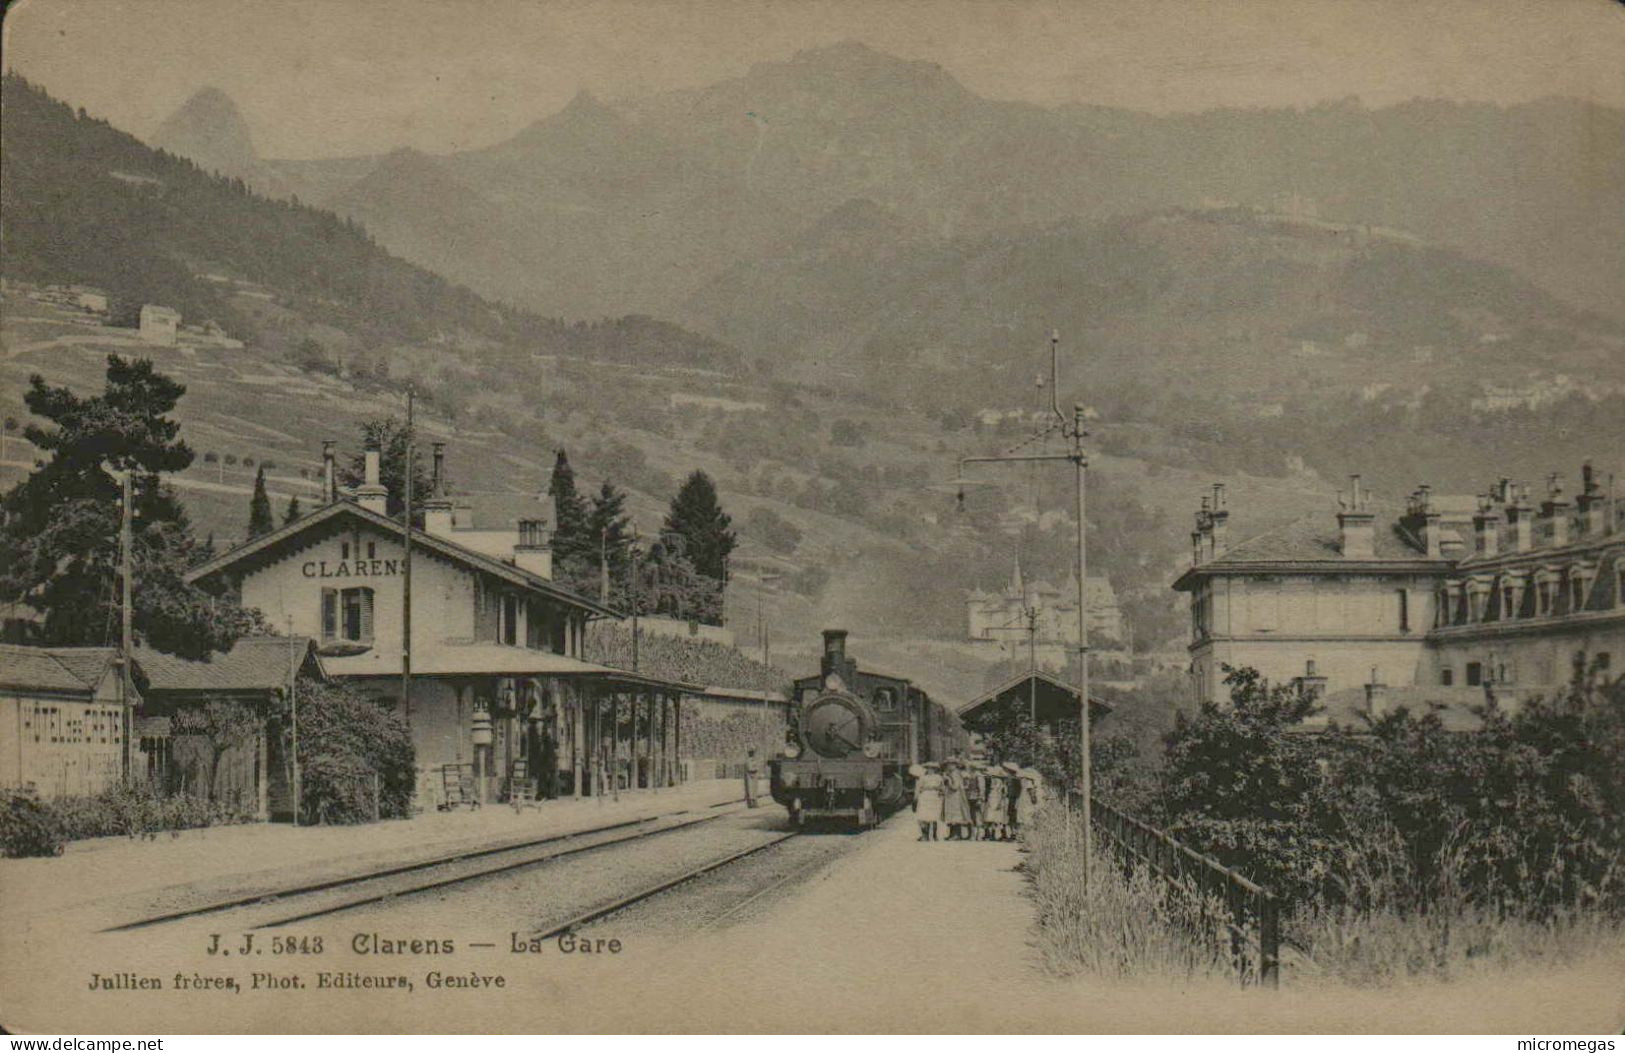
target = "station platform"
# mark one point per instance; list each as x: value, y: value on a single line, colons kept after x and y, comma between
x: 103, y: 880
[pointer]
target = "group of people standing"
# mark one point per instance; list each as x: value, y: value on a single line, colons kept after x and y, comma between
x: 975, y: 803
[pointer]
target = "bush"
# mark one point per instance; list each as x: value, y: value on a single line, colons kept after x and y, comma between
x: 33, y: 827
x: 28, y: 827
x: 345, y: 738
x: 775, y: 533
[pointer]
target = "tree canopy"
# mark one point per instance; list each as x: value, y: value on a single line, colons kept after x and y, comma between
x: 259, y: 507
x: 697, y: 517
x: 59, y: 543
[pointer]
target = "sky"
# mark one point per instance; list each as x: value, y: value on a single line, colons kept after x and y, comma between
x: 319, y: 78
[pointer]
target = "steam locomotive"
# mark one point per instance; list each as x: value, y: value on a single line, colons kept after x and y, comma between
x: 854, y: 737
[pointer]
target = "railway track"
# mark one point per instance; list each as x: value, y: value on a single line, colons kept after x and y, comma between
x: 665, y: 885
x: 417, y: 877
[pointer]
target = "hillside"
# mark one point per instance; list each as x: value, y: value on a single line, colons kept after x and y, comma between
x: 1383, y: 342
x: 656, y: 196
x: 82, y: 201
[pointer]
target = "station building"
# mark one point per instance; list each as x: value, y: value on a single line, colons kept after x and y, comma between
x: 499, y: 691
x: 63, y: 719
x: 1441, y: 600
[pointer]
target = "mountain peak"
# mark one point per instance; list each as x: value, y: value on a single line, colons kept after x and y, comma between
x: 210, y: 130
x: 855, y: 60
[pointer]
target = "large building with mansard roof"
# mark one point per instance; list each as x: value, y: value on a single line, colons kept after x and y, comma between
x: 1436, y: 601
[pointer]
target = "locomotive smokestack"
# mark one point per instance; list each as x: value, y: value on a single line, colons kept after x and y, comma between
x: 834, y: 652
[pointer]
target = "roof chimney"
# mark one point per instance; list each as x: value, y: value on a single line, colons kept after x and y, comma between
x: 330, y: 482
x: 1376, y: 695
x: 534, y: 550
x: 1555, y: 511
x: 1520, y: 525
x: 1356, y: 525
x: 1431, y: 530
x: 1486, y: 528
x: 372, y: 494
x: 1593, y: 503
x: 438, y: 517
x: 1221, y: 521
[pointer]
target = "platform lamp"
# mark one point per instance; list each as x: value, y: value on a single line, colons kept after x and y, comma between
x: 480, y: 736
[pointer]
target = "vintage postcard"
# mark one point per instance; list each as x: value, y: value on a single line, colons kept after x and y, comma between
x: 808, y: 516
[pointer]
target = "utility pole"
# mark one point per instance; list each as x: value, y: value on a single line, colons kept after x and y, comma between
x: 406, y: 571
x: 293, y: 718
x: 1073, y: 431
x: 126, y: 655
x: 637, y: 592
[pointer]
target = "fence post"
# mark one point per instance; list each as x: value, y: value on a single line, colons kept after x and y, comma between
x: 375, y: 808
x: 1269, y: 940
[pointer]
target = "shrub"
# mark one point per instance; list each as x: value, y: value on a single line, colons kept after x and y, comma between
x: 29, y: 827
x: 346, y: 737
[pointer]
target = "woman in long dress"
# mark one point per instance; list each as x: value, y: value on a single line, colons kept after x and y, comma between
x: 928, y: 802
x: 1012, y: 799
x: 1027, y: 797
x: 994, y: 808
x: 955, y: 808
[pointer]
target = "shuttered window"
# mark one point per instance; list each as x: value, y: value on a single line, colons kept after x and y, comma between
x: 347, y: 615
x: 330, y: 613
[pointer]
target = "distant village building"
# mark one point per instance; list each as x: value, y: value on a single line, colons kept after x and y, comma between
x: 995, y: 620
x: 1442, y: 600
x: 160, y: 325
x: 90, y: 299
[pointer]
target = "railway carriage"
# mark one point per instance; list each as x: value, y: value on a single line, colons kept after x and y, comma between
x: 855, y: 735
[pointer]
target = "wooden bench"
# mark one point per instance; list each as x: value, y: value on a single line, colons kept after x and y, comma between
x: 458, y: 786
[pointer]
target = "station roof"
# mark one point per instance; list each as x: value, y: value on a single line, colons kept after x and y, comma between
x: 55, y: 670
x: 1050, y: 685
x: 283, y: 541
x: 488, y: 659
x: 256, y: 663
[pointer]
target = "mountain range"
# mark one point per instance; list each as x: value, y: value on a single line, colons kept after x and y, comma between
x: 639, y: 203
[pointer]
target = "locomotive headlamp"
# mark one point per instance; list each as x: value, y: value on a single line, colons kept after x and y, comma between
x: 873, y: 748
x: 791, y: 750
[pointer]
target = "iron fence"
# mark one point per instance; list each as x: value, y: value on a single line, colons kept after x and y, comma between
x: 1245, y: 915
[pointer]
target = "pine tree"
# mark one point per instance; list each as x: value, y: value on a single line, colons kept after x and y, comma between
x: 259, y: 507
x: 610, y: 531
x: 571, y: 542
x: 59, y: 548
x: 293, y: 511
x: 697, y: 517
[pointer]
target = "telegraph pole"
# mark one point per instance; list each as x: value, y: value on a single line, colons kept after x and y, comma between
x: 293, y: 717
x: 1072, y: 430
x: 126, y: 654
x: 406, y: 572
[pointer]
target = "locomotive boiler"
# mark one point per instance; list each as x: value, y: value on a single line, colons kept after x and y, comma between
x: 856, y: 733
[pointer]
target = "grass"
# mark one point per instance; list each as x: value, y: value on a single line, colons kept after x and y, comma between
x: 1133, y: 928
x: 1119, y: 927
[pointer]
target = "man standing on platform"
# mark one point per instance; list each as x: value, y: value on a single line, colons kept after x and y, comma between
x: 753, y: 771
